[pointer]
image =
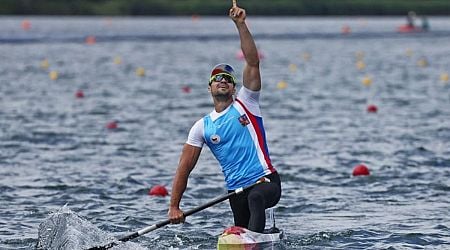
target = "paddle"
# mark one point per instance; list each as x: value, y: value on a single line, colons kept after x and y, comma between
x: 166, y: 222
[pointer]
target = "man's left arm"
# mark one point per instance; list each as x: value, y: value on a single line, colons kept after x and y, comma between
x: 251, y: 74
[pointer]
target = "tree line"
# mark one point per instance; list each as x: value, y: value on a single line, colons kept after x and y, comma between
x: 220, y: 7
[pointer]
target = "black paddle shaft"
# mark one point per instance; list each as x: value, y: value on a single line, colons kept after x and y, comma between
x: 166, y: 222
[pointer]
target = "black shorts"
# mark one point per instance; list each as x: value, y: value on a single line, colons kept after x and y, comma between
x: 249, y: 206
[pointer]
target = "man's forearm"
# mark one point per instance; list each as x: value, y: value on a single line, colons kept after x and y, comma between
x: 248, y: 45
x: 188, y: 159
x: 178, y: 188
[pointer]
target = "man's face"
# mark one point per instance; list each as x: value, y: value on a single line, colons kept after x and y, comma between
x: 222, y: 84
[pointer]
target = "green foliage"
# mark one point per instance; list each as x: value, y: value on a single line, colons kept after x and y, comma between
x: 220, y: 7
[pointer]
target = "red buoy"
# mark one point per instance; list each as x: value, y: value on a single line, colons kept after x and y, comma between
x: 186, y: 89
x: 112, y: 125
x: 90, y: 40
x: 360, y: 169
x: 26, y: 24
x: 346, y: 30
x: 158, y: 190
x: 79, y: 94
x: 372, y: 108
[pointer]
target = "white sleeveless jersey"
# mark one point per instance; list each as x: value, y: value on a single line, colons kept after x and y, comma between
x: 237, y: 139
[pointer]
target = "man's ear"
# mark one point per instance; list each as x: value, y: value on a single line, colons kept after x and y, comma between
x: 209, y: 88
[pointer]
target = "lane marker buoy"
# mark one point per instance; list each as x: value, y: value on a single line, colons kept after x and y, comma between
x: 367, y: 81
x: 158, y: 190
x: 360, y: 170
x: 371, y: 108
x: 53, y: 75
x: 112, y: 125
x: 444, y: 77
x: 90, y: 40
x: 79, y: 94
x: 282, y: 85
x: 140, y: 71
x: 26, y: 25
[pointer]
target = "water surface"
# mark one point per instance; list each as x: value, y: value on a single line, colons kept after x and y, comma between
x: 55, y: 149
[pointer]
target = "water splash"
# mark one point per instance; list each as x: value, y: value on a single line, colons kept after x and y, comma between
x: 64, y: 229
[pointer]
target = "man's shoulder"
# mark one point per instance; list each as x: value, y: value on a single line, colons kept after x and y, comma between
x: 198, y: 122
x: 250, y: 100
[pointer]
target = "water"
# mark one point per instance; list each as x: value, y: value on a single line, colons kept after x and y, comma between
x: 64, y: 229
x: 55, y: 149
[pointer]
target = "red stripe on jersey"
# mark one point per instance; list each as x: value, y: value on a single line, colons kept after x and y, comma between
x: 259, y: 134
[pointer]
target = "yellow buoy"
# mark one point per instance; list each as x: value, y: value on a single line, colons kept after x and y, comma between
x: 293, y: 67
x: 422, y: 62
x: 45, y: 64
x: 117, y: 60
x: 140, y: 71
x: 282, y: 85
x: 367, y: 81
x: 444, y: 77
x: 409, y: 52
x: 360, y: 65
x: 53, y: 75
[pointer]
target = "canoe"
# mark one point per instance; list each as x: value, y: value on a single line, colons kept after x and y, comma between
x: 408, y: 29
x: 237, y: 238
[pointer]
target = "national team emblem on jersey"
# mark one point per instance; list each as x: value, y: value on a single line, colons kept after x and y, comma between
x: 215, y: 139
x: 243, y: 119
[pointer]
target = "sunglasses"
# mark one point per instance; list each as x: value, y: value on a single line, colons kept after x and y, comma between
x: 219, y: 77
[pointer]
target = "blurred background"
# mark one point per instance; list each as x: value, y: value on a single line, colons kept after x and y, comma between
x: 214, y: 7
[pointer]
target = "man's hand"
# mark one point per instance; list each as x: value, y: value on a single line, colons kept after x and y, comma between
x: 176, y: 216
x: 237, y: 14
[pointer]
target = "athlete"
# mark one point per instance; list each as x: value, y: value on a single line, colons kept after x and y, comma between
x: 235, y: 134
